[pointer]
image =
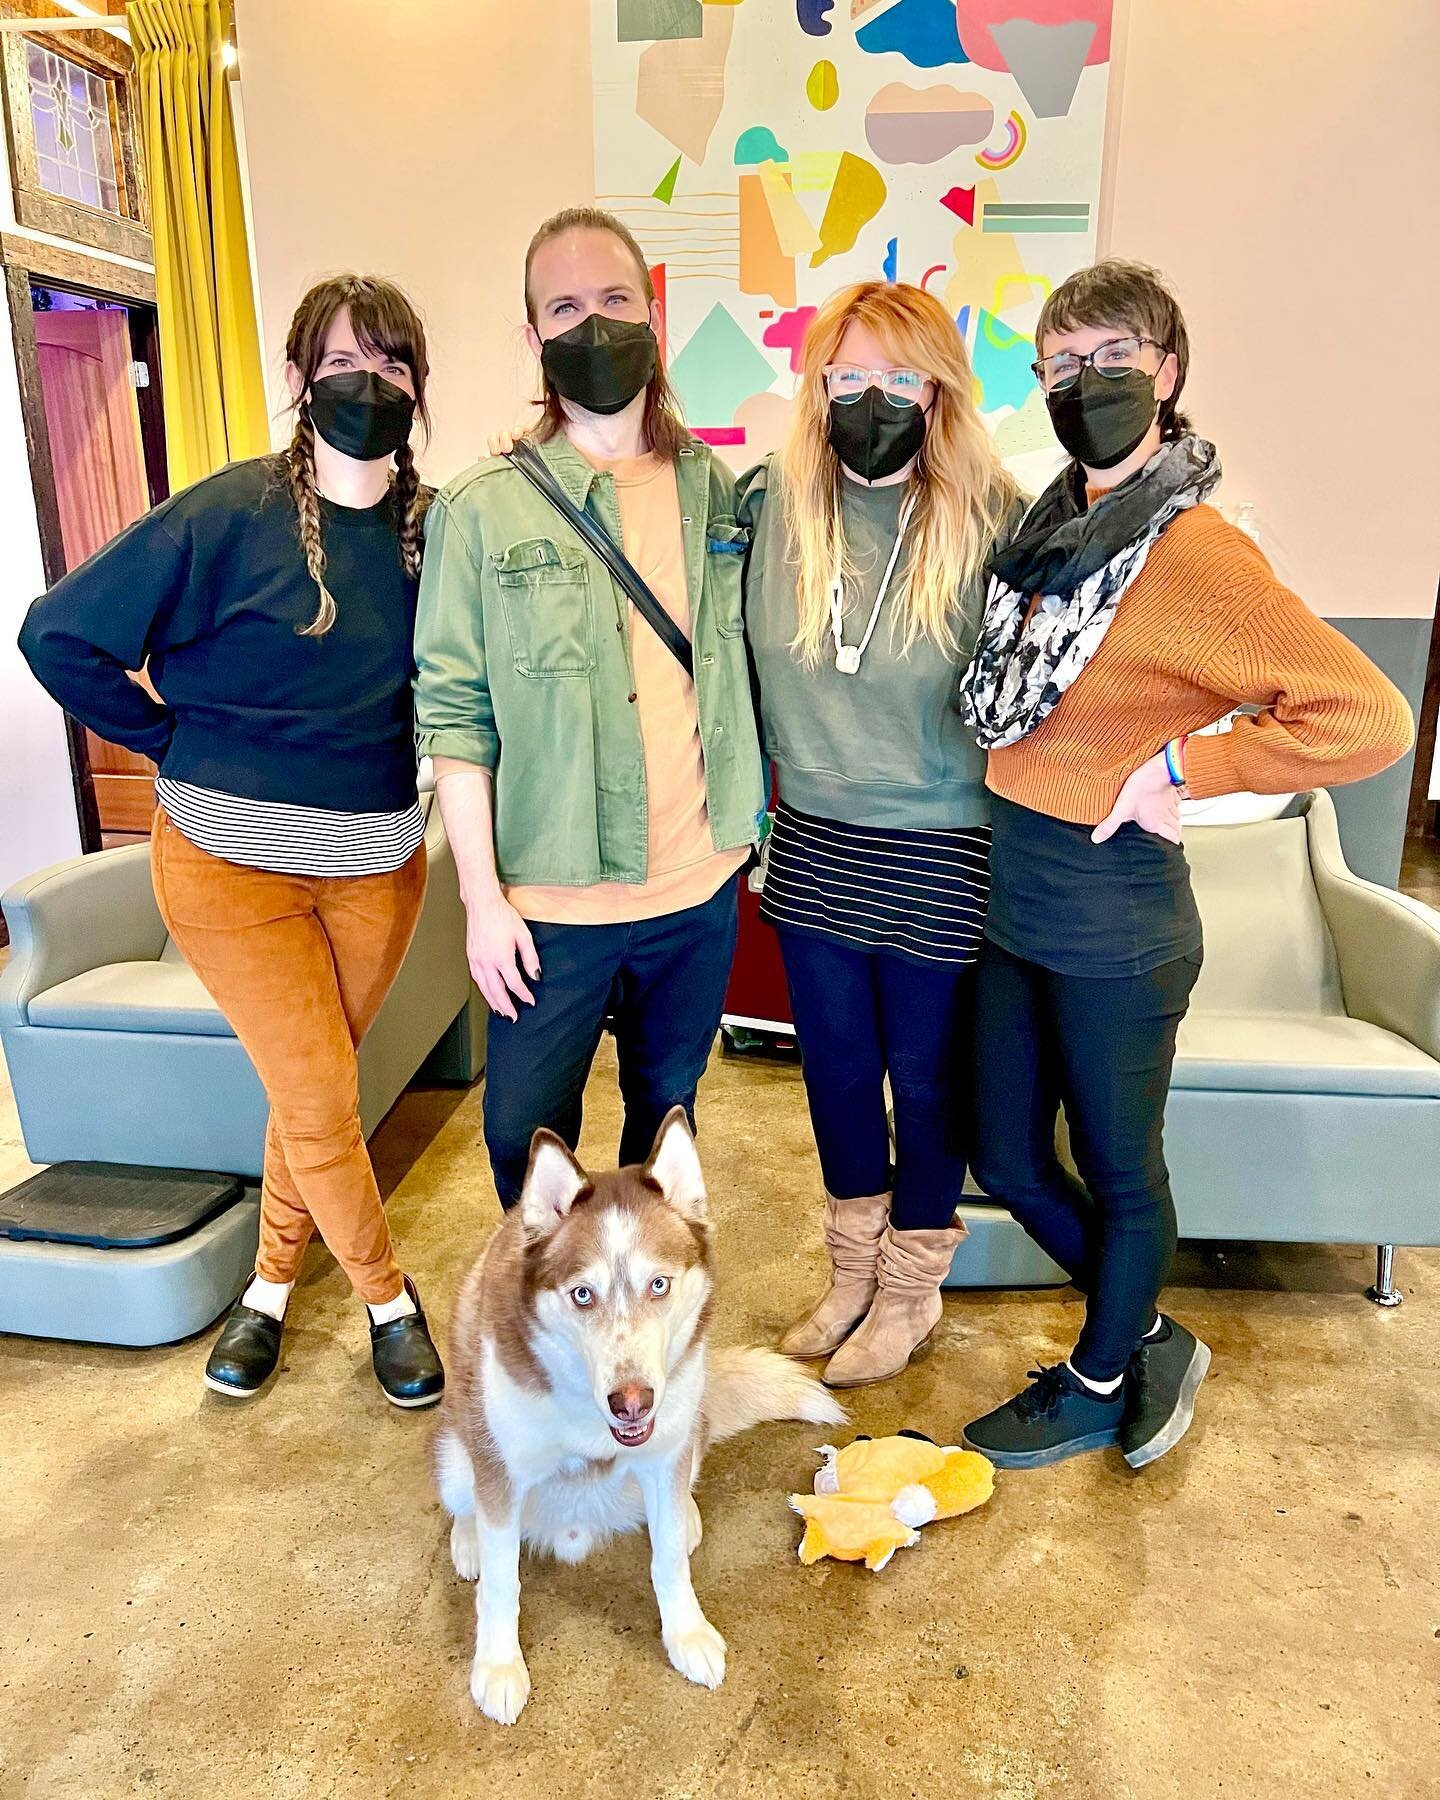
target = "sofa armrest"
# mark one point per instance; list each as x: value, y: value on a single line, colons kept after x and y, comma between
x: 75, y: 916
x: 1387, y: 944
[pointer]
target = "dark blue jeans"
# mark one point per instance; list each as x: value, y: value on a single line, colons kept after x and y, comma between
x: 860, y: 1015
x: 662, y: 983
x: 1104, y: 1046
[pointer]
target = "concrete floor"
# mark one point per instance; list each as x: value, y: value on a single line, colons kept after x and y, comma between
x: 201, y: 1598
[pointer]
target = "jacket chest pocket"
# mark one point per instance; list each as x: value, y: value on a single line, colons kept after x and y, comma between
x: 725, y: 547
x: 545, y: 593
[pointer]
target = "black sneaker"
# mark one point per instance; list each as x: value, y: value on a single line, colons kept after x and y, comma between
x: 407, y: 1365
x: 245, y: 1353
x: 1160, y: 1387
x: 1056, y: 1416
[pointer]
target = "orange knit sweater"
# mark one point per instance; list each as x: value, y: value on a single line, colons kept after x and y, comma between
x: 1205, y: 626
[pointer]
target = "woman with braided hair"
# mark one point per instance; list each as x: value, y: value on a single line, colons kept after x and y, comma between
x: 273, y: 604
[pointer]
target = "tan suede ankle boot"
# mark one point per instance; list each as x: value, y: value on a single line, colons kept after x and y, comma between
x: 853, y: 1230
x: 906, y: 1308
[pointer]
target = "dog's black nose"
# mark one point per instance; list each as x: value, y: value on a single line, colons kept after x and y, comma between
x: 631, y: 1403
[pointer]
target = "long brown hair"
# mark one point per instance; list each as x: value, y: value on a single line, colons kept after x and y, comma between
x: 963, y: 489
x: 385, y: 323
x: 663, y: 424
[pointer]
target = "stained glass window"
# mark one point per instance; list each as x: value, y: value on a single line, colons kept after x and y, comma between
x: 74, y: 145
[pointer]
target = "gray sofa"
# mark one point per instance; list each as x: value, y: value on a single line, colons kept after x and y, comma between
x: 117, y: 1054
x: 1305, y: 1103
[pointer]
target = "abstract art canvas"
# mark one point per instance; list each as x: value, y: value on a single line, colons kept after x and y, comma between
x: 766, y: 152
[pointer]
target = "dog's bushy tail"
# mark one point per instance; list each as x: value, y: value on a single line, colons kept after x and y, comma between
x: 748, y: 1387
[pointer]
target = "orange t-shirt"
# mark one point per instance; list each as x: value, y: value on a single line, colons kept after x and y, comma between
x: 683, y: 866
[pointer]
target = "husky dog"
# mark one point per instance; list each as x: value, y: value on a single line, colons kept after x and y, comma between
x: 581, y: 1398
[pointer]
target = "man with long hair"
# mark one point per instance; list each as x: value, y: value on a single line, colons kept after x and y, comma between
x: 601, y: 785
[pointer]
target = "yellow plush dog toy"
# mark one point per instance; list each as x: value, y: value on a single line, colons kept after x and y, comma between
x: 871, y: 1498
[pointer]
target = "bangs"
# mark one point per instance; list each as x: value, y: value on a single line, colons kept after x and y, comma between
x: 1127, y: 295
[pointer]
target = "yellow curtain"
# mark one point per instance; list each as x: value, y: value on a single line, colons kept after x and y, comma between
x: 214, y: 385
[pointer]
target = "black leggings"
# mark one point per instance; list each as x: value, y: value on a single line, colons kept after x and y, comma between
x: 1103, y: 1047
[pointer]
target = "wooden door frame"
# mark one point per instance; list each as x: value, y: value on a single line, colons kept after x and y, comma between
x: 28, y: 262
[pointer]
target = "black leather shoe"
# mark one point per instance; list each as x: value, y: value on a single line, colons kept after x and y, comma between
x: 407, y: 1365
x: 246, y: 1351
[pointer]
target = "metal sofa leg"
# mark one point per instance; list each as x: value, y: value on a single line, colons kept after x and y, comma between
x: 1384, y: 1292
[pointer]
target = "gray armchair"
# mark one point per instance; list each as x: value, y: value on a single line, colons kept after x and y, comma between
x: 117, y: 1054
x: 1305, y: 1102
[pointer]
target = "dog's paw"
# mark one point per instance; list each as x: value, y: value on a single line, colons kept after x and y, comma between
x: 694, y: 1526
x: 699, y: 1654
x: 500, y: 1690
x: 465, y: 1547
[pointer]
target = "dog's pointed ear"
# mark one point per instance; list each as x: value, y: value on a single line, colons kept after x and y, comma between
x: 675, y: 1165
x: 554, y: 1181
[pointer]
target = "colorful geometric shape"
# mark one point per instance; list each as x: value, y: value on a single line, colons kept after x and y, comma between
x: 680, y: 86
x: 1001, y: 359
x: 758, y: 144
x: 1009, y: 152
x: 764, y: 266
x: 961, y: 201
x: 822, y: 86
x: 814, y: 171
x: 662, y: 295
x: 1026, y: 429
x: 788, y: 333
x: 811, y: 16
x: 982, y: 261
x: 975, y: 21
x: 922, y: 31
x: 858, y: 194
x: 720, y: 435
x: 1037, y: 215
x: 794, y: 229
x: 922, y: 125
x: 934, y: 269
x: 665, y: 189
x: 638, y: 21
x: 1046, y: 60
x: 719, y: 368
x: 891, y: 264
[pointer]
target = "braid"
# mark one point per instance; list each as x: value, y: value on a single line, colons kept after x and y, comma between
x: 300, y: 463
x: 410, y: 510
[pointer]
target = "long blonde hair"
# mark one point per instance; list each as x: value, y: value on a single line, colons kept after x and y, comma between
x: 963, y: 489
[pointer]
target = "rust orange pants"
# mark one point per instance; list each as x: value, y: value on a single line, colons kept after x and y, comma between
x: 300, y: 965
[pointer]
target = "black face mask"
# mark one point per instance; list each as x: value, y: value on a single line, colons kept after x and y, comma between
x: 873, y: 436
x: 1100, y: 419
x: 601, y: 364
x: 360, y: 414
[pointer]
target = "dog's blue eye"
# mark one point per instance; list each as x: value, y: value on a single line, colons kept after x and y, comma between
x: 582, y: 1296
x: 660, y: 1286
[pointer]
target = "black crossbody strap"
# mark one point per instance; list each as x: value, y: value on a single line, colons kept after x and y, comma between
x: 532, y: 466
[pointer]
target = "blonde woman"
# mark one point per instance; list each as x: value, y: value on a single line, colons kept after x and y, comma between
x: 864, y: 591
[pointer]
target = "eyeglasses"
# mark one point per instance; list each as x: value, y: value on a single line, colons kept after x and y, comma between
x: 844, y: 381
x: 1115, y: 357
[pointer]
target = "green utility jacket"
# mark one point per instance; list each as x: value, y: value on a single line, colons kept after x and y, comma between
x: 522, y: 650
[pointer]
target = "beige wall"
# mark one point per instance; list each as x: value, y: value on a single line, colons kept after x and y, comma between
x: 423, y: 142
x: 1277, y: 161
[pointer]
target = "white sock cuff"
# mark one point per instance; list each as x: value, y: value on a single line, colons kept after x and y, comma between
x: 270, y: 1297
x: 1095, y: 1387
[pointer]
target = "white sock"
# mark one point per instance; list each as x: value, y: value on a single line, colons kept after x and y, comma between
x: 1154, y: 1330
x: 399, y: 1308
x: 271, y: 1297
x: 1095, y: 1387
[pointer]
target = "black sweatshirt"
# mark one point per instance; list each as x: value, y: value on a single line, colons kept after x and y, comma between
x: 212, y: 586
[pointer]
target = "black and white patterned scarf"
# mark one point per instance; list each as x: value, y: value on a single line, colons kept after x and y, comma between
x: 1079, y: 560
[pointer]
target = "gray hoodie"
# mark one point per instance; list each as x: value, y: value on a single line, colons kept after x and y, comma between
x: 883, y: 746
